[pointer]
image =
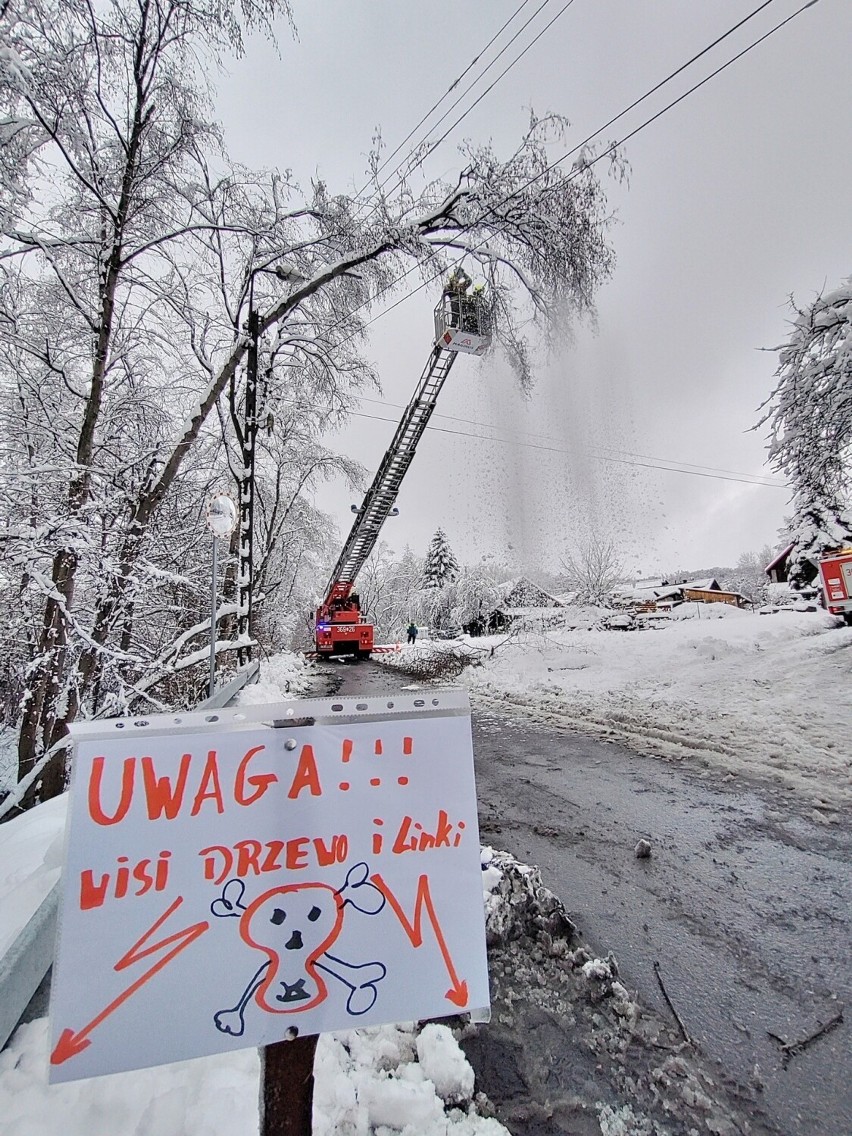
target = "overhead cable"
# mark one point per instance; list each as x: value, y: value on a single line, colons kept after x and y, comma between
x: 673, y: 468
x: 450, y: 90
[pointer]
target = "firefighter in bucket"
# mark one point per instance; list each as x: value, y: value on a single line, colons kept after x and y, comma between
x: 456, y: 288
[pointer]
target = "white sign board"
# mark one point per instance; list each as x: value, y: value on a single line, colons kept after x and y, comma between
x: 233, y: 875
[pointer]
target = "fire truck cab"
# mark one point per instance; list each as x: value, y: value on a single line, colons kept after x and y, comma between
x: 835, y: 577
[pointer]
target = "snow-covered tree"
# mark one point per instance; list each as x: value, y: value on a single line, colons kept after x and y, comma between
x: 749, y: 576
x: 390, y: 590
x: 440, y: 567
x: 592, y: 569
x: 129, y: 268
x: 473, y: 596
x: 809, y: 415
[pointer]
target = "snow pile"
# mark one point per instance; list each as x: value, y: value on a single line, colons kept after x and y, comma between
x: 624, y: 1122
x: 517, y: 902
x: 763, y: 695
x: 396, y: 1078
x: 215, y: 1096
x: 285, y: 675
x: 31, y: 851
x: 390, y: 1077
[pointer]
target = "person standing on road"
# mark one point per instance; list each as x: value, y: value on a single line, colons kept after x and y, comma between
x: 412, y: 634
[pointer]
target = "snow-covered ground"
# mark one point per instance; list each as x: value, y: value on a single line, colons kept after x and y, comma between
x: 731, y: 691
x: 395, y: 1078
x: 400, y: 1078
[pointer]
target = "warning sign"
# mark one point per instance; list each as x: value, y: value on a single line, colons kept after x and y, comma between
x: 234, y: 875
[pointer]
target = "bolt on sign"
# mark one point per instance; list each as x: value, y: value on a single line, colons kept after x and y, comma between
x: 237, y: 877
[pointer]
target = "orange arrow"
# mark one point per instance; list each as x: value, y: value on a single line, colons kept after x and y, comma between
x: 457, y: 994
x: 71, y: 1043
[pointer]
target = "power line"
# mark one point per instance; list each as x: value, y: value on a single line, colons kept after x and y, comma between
x: 608, y: 152
x: 593, y: 161
x: 562, y: 450
x: 479, y: 99
x: 450, y: 89
x: 764, y: 479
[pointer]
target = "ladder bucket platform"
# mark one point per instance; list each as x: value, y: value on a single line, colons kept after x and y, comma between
x: 463, y: 323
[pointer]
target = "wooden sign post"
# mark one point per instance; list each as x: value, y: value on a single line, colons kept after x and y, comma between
x: 287, y: 1087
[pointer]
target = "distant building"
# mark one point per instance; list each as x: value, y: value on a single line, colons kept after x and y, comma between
x: 776, y: 569
x: 664, y: 596
x: 521, y: 601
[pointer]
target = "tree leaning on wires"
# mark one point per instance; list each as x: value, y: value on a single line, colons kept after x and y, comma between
x: 126, y: 278
x: 809, y: 415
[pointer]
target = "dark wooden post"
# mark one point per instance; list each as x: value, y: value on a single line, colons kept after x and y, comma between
x: 247, y: 488
x: 287, y: 1087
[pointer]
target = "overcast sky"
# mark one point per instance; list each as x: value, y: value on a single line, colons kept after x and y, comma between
x: 738, y: 197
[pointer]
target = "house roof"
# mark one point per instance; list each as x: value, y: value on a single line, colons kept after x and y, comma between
x: 668, y: 593
x: 567, y: 597
x: 529, y: 612
x: 505, y: 590
x: 780, y: 558
x: 708, y: 584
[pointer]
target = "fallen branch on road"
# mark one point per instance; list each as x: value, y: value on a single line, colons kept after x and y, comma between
x: 671, y: 1006
x: 794, y: 1048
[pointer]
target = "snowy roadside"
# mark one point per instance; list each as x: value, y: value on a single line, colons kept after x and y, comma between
x: 629, y: 1072
x: 392, y: 1076
x: 410, y: 1078
x: 407, y: 1076
x: 733, y: 692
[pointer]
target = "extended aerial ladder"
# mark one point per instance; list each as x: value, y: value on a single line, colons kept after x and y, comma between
x: 462, y: 324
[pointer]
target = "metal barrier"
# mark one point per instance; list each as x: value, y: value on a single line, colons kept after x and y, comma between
x: 25, y: 964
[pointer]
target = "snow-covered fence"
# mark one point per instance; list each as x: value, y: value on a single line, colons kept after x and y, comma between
x: 30, y: 956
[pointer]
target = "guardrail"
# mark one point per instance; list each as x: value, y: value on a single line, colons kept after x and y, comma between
x: 30, y: 957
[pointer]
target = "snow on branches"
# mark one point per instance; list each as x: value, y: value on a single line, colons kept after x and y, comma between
x: 441, y: 566
x: 809, y: 415
x: 131, y: 251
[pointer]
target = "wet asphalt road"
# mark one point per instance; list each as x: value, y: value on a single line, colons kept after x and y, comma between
x: 745, y: 901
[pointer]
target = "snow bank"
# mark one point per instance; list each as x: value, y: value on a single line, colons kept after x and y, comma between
x: 281, y: 676
x: 762, y: 695
x: 31, y: 851
x: 418, y: 1083
x: 384, y: 1077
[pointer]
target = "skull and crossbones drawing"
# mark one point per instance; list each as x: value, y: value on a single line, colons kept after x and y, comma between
x: 294, y: 925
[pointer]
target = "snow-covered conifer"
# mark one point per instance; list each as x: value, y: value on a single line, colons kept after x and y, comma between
x: 441, y: 566
x: 809, y: 414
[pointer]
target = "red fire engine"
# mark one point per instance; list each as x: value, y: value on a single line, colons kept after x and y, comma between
x: 462, y: 325
x: 835, y: 575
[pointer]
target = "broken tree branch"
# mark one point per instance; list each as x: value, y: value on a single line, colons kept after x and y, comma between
x: 791, y: 1049
x: 671, y: 1006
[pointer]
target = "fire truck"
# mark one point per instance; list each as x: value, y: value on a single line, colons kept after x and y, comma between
x: 462, y: 326
x: 835, y: 576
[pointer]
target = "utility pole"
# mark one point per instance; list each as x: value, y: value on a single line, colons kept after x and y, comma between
x: 245, y: 590
x: 246, y: 576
